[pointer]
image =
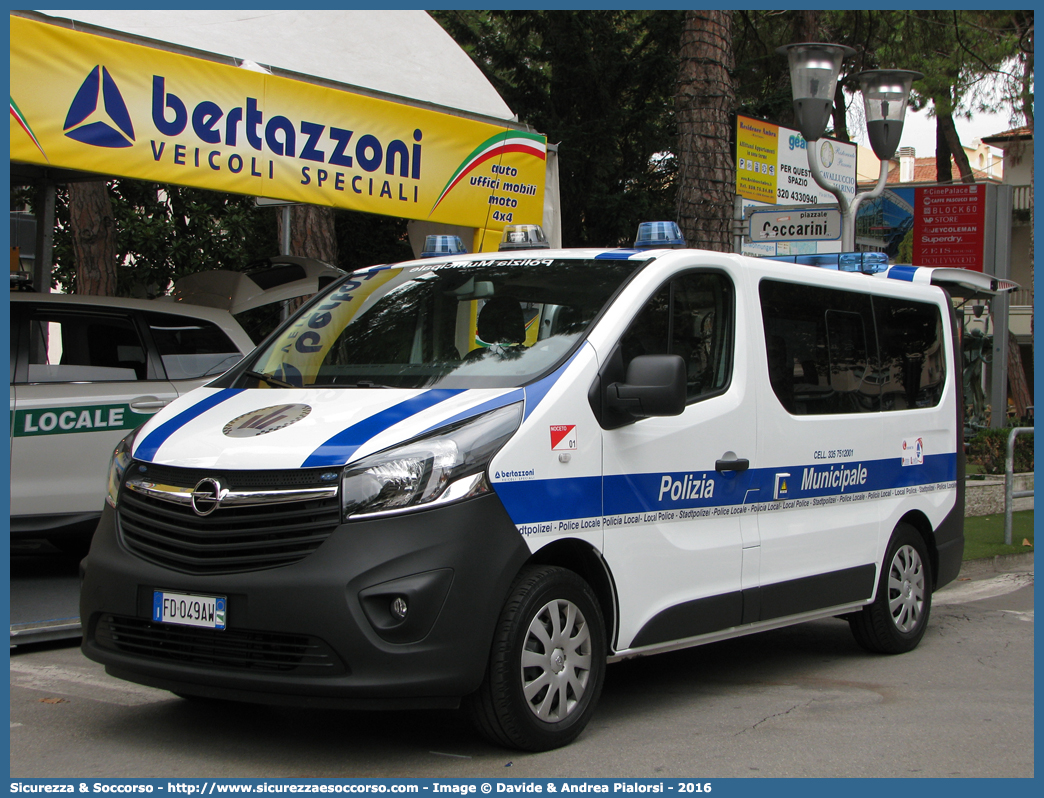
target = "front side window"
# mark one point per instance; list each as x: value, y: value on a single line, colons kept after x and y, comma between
x: 69, y: 346
x: 484, y: 324
x: 691, y: 316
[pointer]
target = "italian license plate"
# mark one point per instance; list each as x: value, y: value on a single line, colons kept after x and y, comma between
x: 186, y: 609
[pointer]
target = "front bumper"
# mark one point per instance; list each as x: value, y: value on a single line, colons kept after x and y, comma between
x: 453, y: 564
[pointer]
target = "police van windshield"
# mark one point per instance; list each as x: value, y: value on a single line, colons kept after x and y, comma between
x: 482, y: 324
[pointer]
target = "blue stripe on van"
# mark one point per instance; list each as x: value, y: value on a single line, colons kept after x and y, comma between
x: 902, y: 273
x: 339, y: 449
x: 511, y: 397
x: 538, y: 500
x: 536, y: 391
x: 641, y: 493
x: 147, y: 449
x: 552, y: 500
x: 531, y: 394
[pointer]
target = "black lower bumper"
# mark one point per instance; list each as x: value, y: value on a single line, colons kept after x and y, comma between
x: 71, y: 531
x: 320, y: 631
x: 949, y: 542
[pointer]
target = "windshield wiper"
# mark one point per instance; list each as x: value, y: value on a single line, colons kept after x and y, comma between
x: 269, y: 379
x: 363, y: 384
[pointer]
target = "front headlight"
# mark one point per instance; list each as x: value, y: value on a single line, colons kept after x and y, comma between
x: 444, y: 467
x: 121, y: 458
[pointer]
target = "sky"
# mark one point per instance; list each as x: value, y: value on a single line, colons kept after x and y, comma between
x: 919, y: 127
x: 919, y: 130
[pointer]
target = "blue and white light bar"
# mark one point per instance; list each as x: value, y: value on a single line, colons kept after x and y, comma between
x: 863, y: 262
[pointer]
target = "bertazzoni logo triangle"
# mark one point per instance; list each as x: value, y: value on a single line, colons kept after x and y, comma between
x: 98, y: 115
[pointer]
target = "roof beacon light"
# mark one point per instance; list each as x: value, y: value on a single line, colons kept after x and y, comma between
x: 523, y: 236
x: 434, y: 246
x: 865, y: 262
x: 659, y: 235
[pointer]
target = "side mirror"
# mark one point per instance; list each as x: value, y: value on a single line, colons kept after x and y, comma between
x: 655, y: 386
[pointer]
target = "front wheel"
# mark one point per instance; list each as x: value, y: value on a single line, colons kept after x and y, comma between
x: 896, y: 620
x: 546, y: 666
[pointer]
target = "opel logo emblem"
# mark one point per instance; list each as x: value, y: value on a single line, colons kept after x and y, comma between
x: 206, y: 496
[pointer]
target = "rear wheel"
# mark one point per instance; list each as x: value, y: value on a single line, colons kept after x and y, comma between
x: 896, y: 620
x: 546, y: 666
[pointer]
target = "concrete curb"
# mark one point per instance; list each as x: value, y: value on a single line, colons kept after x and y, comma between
x: 1000, y: 564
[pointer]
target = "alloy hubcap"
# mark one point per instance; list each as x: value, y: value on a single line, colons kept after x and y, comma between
x: 556, y: 660
x: 906, y: 589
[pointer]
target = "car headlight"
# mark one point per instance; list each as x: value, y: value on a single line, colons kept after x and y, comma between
x: 444, y: 467
x: 121, y: 458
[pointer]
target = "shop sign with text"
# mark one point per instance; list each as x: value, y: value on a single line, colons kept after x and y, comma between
x: 949, y: 224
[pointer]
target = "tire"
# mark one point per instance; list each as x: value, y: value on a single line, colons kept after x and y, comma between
x: 896, y: 620
x: 546, y: 666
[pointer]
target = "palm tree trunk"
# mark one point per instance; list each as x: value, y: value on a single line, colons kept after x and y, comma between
x: 312, y: 232
x: 93, y: 237
x: 705, y: 103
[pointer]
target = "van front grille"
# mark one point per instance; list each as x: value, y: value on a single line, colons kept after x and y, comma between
x: 231, y: 539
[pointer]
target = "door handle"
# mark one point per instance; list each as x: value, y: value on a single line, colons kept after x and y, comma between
x: 739, y: 464
x: 148, y: 403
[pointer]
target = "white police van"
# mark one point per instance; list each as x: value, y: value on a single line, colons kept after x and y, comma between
x: 481, y: 478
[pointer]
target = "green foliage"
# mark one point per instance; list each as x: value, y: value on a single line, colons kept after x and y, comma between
x: 365, y: 239
x: 165, y: 232
x: 989, y: 448
x: 905, y: 254
x: 959, y: 52
x: 600, y: 84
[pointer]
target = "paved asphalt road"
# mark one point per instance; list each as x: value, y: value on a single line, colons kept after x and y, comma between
x: 799, y: 702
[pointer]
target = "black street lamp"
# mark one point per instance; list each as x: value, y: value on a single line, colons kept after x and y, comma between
x: 814, y: 70
x: 885, y: 92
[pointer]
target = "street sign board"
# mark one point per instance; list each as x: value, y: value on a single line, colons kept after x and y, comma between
x: 793, y: 223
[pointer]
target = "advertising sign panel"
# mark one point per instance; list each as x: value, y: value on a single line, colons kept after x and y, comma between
x: 756, y: 160
x: 949, y: 224
x: 122, y: 109
x: 929, y: 225
x: 772, y: 168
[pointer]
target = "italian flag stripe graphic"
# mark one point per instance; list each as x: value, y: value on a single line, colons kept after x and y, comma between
x: 495, y: 147
x: 16, y: 112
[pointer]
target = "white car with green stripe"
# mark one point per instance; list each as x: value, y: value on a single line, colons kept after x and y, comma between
x: 84, y: 371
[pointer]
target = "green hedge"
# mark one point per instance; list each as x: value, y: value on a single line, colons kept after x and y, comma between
x: 990, y: 446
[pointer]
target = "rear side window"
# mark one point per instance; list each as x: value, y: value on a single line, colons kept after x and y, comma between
x: 913, y: 362
x: 191, y: 348
x: 832, y: 352
x: 84, y: 347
